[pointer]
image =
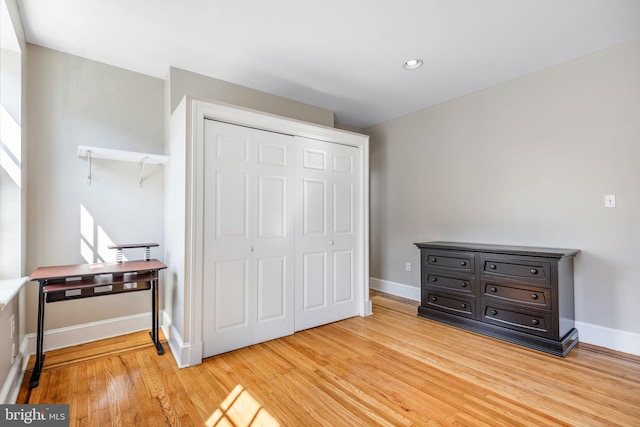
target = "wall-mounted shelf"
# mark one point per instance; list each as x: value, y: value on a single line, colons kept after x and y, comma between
x: 126, y: 156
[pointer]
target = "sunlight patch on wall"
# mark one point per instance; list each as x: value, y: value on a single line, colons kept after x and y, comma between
x: 12, y: 195
x: 94, y: 241
x: 10, y: 142
x: 8, y: 37
x: 241, y: 409
x: 102, y: 245
x: 86, y: 235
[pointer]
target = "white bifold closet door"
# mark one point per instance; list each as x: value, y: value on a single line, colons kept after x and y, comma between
x: 326, y: 232
x: 248, y: 237
x: 280, y: 235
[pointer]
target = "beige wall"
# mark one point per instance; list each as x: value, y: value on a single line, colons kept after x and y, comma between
x: 74, y: 101
x: 183, y: 83
x: 349, y: 128
x: 527, y: 162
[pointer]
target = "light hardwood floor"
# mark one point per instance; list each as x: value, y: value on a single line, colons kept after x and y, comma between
x: 392, y: 368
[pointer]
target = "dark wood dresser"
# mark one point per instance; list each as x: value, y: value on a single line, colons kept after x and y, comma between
x: 519, y: 294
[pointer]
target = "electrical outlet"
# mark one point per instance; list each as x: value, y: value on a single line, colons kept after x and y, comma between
x: 13, y: 325
x: 407, y: 266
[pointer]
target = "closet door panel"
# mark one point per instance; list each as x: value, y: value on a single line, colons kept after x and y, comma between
x: 314, y: 283
x: 232, y: 148
x: 343, y: 285
x: 232, y: 205
x: 272, y: 205
x: 314, y: 158
x: 343, y: 208
x: 273, y: 243
x: 314, y: 206
x: 231, y: 290
x: 327, y: 180
x: 272, y: 154
x: 271, y: 288
x: 226, y: 313
x: 248, y: 220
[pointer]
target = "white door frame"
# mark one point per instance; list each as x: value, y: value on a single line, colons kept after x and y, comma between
x: 201, y: 110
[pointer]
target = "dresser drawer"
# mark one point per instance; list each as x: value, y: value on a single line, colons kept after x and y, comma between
x: 512, y: 293
x: 436, y: 280
x: 530, y: 322
x: 456, y: 261
x: 533, y: 271
x: 458, y: 305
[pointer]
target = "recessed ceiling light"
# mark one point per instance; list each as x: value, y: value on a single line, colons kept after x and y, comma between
x: 412, y: 64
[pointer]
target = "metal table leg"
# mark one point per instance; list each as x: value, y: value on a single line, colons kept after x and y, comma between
x: 37, y: 369
x: 155, y: 336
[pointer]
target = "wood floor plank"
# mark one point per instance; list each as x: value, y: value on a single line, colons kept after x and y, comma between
x: 389, y: 369
x: 92, y: 397
x: 79, y: 402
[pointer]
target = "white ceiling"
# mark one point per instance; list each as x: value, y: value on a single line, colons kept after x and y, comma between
x: 343, y: 55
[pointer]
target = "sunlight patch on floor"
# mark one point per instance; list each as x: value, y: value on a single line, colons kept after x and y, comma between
x: 240, y: 409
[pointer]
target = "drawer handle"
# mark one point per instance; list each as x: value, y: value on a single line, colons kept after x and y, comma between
x: 434, y: 299
x: 463, y: 263
x: 494, y: 312
x: 434, y: 259
x: 534, y: 271
x: 463, y: 305
x: 534, y: 296
x: 535, y: 321
x: 494, y: 289
x: 463, y: 284
x: 492, y: 266
x: 434, y: 279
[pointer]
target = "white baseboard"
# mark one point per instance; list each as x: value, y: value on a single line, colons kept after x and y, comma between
x: 184, y: 354
x: 394, y: 288
x: 367, y: 308
x: 614, y: 339
x: 11, y: 386
x: 87, y: 332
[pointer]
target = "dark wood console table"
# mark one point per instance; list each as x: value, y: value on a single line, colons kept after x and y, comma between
x: 68, y: 282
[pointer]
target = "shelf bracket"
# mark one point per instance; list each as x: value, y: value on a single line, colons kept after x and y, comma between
x: 142, y: 164
x: 89, y: 163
